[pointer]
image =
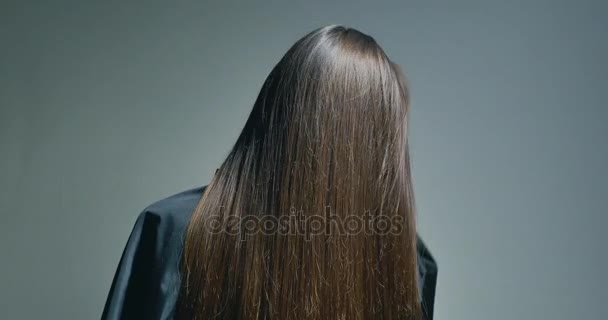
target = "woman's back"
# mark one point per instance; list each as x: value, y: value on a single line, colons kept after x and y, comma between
x: 147, y: 280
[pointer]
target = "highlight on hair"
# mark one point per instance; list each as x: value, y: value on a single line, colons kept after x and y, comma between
x: 326, y: 139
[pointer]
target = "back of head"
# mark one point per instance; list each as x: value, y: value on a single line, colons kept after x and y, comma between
x: 311, y: 215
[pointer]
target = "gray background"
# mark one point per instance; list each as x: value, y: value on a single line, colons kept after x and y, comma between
x: 107, y: 106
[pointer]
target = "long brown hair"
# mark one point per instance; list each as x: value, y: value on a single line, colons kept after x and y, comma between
x: 326, y: 142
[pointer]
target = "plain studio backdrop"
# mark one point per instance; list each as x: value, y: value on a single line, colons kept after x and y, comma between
x: 108, y: 106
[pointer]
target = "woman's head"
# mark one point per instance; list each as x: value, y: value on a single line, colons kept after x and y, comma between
x: 311, y: 215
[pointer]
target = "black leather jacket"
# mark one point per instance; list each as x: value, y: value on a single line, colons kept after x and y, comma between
x: 146, y: 283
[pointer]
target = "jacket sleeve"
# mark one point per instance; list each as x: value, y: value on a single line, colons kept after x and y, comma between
x: 129, y: 296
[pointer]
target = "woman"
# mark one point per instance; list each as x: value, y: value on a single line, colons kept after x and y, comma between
x: 310, y: 216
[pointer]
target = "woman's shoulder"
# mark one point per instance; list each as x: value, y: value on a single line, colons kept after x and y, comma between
x: 176, y: 208
x: 427, y: 277
x: 167, y: 218
x: 146, y: 281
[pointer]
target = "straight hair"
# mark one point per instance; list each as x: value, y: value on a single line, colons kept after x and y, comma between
x: 311, y: 215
